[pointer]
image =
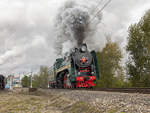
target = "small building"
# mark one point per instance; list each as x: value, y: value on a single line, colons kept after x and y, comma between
x: 13, y: 81
x: 16, y: 82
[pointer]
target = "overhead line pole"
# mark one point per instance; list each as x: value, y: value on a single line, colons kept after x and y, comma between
x: 31, y: 81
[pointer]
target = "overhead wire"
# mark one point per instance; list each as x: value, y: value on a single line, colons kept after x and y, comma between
x: 99, y: 11
x: 98, y: 5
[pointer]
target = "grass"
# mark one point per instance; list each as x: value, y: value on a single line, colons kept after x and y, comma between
x: 38, y: 102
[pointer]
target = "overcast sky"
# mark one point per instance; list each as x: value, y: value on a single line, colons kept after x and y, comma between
x: 27, y: 35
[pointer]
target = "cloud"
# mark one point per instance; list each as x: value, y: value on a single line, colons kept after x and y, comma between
x: 27, y: 34
x: 74, y: 23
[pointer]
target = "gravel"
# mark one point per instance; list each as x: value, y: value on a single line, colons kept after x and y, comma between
x: 72, y: 101
x: 110, y: 102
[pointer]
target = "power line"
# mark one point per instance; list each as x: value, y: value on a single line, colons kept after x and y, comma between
x: 50, y: 68
x: 100, y: 10
x: 97, y: 5
x: 27, y: 73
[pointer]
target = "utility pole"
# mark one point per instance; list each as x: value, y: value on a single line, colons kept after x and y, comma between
x: 11, y: 82
x: 19, y: 80
x: 48, y: 82
x: 31, y: 81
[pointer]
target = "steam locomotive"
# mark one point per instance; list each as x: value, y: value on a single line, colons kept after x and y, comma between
x: 77, y: 69
x: 2, y: 82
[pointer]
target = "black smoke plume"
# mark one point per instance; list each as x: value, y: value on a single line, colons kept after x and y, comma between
x: 72, y: 26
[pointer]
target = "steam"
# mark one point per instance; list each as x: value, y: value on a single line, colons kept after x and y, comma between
x: 73, y: 25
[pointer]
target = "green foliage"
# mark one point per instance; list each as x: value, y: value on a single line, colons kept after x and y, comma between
x: 25, y: 82
x: 41, y: 80
x: 111, y: 72
x: 36, y: 81
x: 127, y: 84
x: 138, y: 65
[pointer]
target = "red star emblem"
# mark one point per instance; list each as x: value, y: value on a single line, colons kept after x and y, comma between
x: 83, y: 60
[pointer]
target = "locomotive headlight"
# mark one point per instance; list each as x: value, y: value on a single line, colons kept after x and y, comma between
x: 73, y: 50
x: 92, y: 73
x: 84, y: 48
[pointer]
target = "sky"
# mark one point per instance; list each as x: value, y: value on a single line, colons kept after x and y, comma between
x: 28, y: 36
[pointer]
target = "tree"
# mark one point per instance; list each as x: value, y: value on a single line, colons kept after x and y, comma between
x: 44, y: 76
x: 138, y: 65
x: 36, y: 81
x: 111, y: 73
x: 41, y: 79
x: 25, y: 82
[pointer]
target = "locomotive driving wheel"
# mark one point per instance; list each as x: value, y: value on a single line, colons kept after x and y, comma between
x: 65, y: 81
x: 59, y: 83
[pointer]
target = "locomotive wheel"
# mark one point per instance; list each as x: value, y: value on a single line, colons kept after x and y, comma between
x: 74, y: 85
x: 59, y: 83
x: 52, y: 85
x: 65, y: 81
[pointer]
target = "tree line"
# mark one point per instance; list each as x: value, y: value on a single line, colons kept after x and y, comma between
x: 136, y: 72
x: 137, y: 69
x: 39, y: 80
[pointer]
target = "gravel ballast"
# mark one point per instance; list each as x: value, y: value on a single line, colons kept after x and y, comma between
x: 72, y: 101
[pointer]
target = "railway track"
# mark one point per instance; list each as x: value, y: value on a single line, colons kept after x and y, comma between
x: 123, y: 90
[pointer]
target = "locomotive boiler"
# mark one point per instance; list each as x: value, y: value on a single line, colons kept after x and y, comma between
x: 77, y: 69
